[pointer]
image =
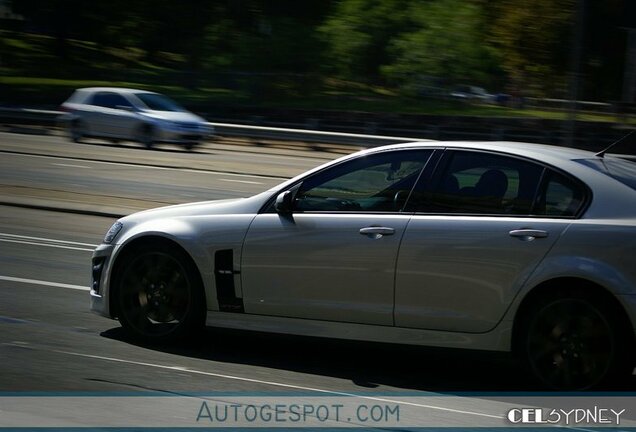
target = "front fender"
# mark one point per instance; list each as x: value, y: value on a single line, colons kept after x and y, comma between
x: 201, y: 237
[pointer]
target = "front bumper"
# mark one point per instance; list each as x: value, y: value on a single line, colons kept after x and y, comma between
x: 100, y: 280
x: 182, y: 134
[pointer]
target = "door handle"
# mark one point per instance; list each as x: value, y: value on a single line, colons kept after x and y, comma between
x: 528, y: 234
x: 377, y: 232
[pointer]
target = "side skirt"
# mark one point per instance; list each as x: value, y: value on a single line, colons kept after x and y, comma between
x: 495, y: 340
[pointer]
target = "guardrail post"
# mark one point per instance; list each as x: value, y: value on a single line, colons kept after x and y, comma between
x: 313, y: 124
x: 257, y: 120
x: 498, y: 134
x: 371, y: 128
x: 436, y: 132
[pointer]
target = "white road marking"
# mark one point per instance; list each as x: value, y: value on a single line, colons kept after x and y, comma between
x: 70, y: 166
x: 141, y: 165
x: 46, y: 245
x: 277, y: 384
x: 47, y: 242
x: 241, y: 181
x: 46, y: 283
x: 47, y: 239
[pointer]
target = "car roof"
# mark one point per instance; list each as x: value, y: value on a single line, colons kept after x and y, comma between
x: 113, y: 89
x: 540, y: 152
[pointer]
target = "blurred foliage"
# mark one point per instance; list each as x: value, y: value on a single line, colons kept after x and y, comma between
x: 534, y: 40
x: 269, y: 48
x: 445, y: 42
x: 358, y: 35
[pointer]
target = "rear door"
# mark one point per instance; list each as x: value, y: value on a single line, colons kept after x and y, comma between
x: 478, y: 231
x: 110, y: 114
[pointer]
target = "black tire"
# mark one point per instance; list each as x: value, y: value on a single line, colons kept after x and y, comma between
x: 190, y: 145
x: 76, y: 131
x: 576, y: 341
x: 146, y: 136
x: 160, y: 296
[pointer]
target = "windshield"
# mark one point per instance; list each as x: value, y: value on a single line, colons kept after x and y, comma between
x: 619, y: 169
x: 157, y: 102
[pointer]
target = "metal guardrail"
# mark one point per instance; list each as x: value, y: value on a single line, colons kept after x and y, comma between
x: 51, y: 118
x: 476, y: 131
x: 264, y: 132
x: 25, y: 114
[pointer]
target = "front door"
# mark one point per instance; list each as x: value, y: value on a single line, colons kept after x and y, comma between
x: 333, y: 258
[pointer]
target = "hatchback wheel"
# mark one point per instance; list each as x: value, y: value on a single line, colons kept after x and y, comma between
x: 575, y: 342
x: 146, y: 136
x: 76, y: 131
x: 190, y: 145
x: 160, y: 296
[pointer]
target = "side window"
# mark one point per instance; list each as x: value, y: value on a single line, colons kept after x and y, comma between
x: 560, y: 196
x: 119, y: 100
x: 100, y: 99
x: 109, y: 100
x: 376, y: 183
x: 483, y: 183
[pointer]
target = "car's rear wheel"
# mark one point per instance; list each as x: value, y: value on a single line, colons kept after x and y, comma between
x: 146, y: 136
x: 160, y: 296
x: 190, y: 145
x: 575, y: 341
x: 76, y: 131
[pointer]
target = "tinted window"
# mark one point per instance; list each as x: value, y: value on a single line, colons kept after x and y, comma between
x: 109, y: 100
x: 376, y: 183
x: 560, y: 196
x: 482, y: 183
x: 157, y: 102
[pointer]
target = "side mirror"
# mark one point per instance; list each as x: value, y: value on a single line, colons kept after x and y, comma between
x: 284, y: 202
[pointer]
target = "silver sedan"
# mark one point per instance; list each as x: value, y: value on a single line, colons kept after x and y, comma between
x: 491, y: 246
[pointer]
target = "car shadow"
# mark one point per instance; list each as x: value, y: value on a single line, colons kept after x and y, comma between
x: 368, y: 365
x: 160, y: 147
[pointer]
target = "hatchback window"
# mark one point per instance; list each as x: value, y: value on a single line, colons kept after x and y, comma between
x: 483, y: 183
x: 157, y: 102
x: 109, y: 100
x: 376, y: 183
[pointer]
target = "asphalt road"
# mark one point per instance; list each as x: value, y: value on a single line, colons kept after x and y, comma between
x: 126, y: 178
x: 50, y: 342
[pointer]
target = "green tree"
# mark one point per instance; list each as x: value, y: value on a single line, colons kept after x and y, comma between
x: 61, y: 18
x: 446, y: 41
x: 535, y: 39
x: 358, y: 34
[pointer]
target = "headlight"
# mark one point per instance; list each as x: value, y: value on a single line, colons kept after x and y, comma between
x: 112, y: 232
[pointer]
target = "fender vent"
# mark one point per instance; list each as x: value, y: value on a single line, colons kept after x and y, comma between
x: 224, y: 276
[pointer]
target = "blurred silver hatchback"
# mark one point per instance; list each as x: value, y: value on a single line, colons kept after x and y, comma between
x: 127, y: 114
x: 498, y: 246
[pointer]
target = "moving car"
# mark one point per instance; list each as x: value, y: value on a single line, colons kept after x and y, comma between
x: 495, y: 246
x: 472, y: 93
x: 128, y: 114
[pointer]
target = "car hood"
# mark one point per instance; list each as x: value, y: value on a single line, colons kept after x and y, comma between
x: 175, y: 116
x: 228, y: 206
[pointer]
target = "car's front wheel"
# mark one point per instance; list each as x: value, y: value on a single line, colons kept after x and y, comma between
x: 159, y: 294
x: 576, y: 341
